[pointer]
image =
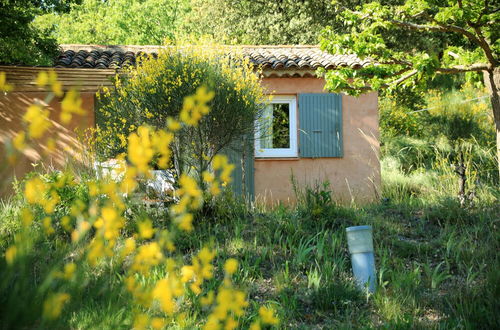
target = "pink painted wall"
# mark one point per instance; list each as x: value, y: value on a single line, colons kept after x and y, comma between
x: 354, y: 177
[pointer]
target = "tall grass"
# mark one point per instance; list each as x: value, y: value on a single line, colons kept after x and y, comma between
x: 437, y: 262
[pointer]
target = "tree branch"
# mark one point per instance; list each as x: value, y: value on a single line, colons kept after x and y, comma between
x: 439, y: 28
x: 463, y: 68
x: 403, y: 78
x: 362, y: 89
x: 394, y: 61
x: 485, y: 45
x: 485, y: 9
x: 395, y: 82
x: 481, y: 40
x: 450, y: 70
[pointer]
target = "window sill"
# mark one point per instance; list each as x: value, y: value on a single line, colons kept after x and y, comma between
x: 276, y: 158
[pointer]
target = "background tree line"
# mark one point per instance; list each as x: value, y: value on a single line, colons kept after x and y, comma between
x: 152, y: 22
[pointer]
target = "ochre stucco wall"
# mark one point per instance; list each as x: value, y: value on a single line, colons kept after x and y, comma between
x: 354, y: 177
x: 12, y: 108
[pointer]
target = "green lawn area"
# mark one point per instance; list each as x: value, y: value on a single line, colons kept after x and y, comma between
x: 437, y: 264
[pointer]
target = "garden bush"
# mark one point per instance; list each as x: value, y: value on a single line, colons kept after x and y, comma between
x: 153, y: 93
x: 396, y: 119
x: 454, y: 128
x: 72, y: 243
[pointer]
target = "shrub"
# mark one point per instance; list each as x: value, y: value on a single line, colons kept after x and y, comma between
x: 396, y: 119
x: 153, y: 92
x: 463, y: 114
x: 455, y: 128
x: 43, y: 277
x: 316, y: 208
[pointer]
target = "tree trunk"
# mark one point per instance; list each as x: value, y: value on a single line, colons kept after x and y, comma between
x: 492, y: 81
x: 461, y: 170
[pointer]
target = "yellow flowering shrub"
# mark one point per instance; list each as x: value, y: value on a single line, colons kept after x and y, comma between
x: 89, y: 232
x: 4, y: 86
x: 175, y: 91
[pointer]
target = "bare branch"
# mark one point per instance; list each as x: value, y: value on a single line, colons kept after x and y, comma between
x: 400, y: 72
x: 463, y: 68
x: 362, y: 89
x: 450, y: 70
x: 395, y: 61
x: 438, y: 28
x: 395, y: 82
x: 403, y: 78
x: 453, y: 54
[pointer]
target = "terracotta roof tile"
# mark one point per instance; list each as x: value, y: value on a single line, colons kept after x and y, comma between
x: 268, y: 57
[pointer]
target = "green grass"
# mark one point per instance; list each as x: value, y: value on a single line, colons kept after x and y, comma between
x: 437, y: 263
x: 432, y: 257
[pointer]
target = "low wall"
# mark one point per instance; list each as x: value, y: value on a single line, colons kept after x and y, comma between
x: 12, y: 108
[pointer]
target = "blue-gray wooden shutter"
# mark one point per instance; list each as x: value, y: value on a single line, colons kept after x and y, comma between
x: 320, y: 125
x: 243, y: 174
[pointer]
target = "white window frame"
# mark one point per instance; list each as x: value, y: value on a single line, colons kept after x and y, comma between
x: 292, y: 151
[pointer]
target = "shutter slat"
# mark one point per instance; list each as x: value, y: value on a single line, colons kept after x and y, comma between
x: 235, y: 154
x: 320, y: 117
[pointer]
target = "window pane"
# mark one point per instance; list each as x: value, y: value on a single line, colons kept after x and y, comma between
x: 275, y: 126
x: 281, y: 125
x: 266, y: 138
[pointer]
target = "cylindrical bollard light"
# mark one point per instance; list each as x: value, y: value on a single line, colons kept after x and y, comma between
x: 360, y: 241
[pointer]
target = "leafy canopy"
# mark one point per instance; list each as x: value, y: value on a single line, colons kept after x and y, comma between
x: 21, y: 42
x: 223, y: 21
x: 118, y: 22
x: 451, y: 37
x: 258, y: 22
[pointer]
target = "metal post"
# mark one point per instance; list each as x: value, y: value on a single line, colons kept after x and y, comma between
x: 360, y: 241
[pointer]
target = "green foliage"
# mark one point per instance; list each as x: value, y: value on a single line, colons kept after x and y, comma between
x: 412, y: 41
x: 426, y: 245
x: 454, y: 126
x: 417, y: 167
x: 116, y: 22
x: 69, y: 190
x: 464, y: 114
x: 23, y: 43
x: 280, y: 126
x: 223, y: 21
x: 259, y: 22
x: 9, y: 212
x: 399, y: 120
x: 308, y: 271
x: 155, y: 90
